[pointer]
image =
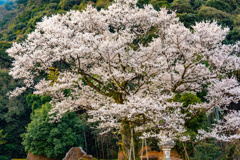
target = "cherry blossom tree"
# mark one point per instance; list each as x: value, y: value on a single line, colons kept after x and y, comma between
x: 125, y: 64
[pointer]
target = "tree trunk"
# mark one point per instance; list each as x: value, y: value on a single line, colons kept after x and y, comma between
x: 125, y: 132
x: 126, y: 140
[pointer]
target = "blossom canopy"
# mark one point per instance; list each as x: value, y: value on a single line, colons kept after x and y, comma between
x: 125, y: 64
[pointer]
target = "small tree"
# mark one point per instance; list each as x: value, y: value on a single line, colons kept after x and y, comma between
x: 52, y: 139
x: 125, y: 64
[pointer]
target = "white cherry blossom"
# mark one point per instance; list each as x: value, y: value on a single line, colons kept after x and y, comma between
x: 107, y: 65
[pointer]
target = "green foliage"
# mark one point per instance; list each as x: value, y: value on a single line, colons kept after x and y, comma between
x: 160, y: 4
x: 2, y: 141
x: 5, y: 60
x: 14, y: 116
x: 68, y: 4
x: 18, y: 26
x: 220, y: 5
x: 188, y: 19
x: 54, y: 1
x: 206, y: 151
x: 65, y: 4
x: 232, y: 3
x: 102, y: 4
x: 52, y: 6
x: 231, y: 151
x: 236, y: 20
x: 212, y: 13
x: 82, y: 5
x: 140, y: 3
x: 196, y: 122
x: 187, y: 99
x: 36, y: 101
x: 157, y: 4
x: 182, y: 6
x: 53, y: 75
x: 52, y: 139
x: 198, y: 3
x: 11, y: 37
x: 233, y: 36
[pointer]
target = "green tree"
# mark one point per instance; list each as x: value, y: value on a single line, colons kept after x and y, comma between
x: 193, y: 125
x: 52, y: 139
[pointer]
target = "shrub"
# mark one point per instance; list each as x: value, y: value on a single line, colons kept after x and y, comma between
x: 52, y: 139
x: 206, y: 151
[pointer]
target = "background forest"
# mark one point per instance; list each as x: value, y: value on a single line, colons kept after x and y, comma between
x: 24, y: 119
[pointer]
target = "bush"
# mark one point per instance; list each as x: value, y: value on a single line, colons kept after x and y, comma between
x: 52, y: 139
x: 232, y: 151
x: 206, y: 151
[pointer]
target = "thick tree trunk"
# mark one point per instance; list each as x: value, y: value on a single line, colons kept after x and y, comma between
x: 126, y: 133
x: 126, y: 140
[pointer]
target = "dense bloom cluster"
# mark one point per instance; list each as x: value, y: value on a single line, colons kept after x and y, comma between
x: 109, y: 67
